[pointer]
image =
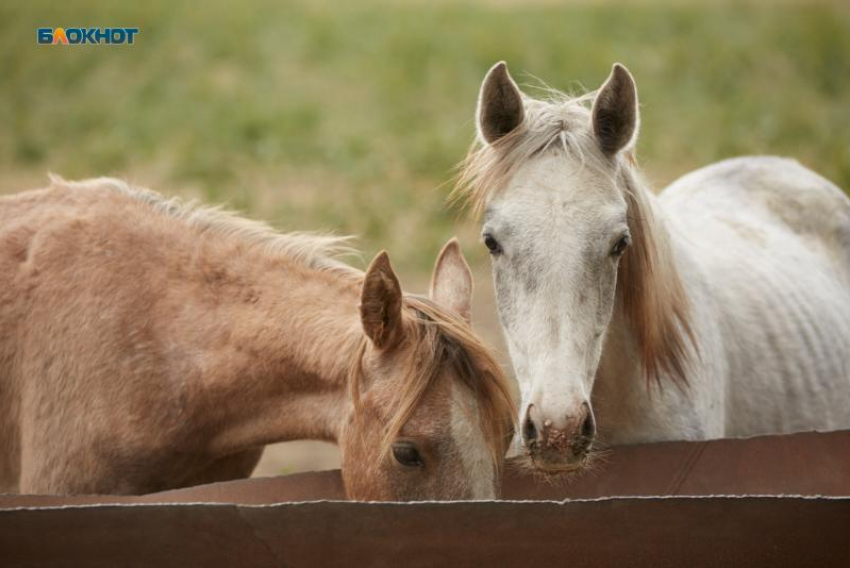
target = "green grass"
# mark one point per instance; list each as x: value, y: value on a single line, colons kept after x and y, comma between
x: 350, y: 115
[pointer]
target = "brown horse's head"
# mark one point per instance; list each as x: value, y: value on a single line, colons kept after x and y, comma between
x: 431, y: 414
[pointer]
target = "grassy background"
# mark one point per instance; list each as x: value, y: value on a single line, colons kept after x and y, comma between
x: 350, y: 116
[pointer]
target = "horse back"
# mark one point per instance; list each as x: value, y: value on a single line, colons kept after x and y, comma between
x: 771, y: 240
x: 751, y: 194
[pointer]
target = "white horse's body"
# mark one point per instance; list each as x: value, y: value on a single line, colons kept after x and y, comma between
x: 719, y: 308
x: 763, y: 247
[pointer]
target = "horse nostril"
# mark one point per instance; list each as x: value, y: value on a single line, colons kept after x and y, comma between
x: 588, y: 426
x: 529, y: 431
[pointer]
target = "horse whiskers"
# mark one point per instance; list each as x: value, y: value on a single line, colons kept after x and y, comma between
x: 596, y: 460
x: 593, y: 462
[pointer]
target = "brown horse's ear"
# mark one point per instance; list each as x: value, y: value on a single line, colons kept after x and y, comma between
x: 451, y: 284
x: 615, y: 112
x: 380, y: 303
x: 500, y: 108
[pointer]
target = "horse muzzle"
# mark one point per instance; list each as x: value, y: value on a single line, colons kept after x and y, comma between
x: 560, y: 447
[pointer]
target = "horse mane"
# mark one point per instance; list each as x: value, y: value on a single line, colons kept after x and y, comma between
x: 441, y: 339
x: 648, y: 283
x: 651, y: 290
x: 316, y: 250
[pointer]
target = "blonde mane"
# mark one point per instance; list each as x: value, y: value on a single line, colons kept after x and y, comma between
x: 316, y: 250
x: 653, y: 296
x: 443, y: 339
x: 648, y: 283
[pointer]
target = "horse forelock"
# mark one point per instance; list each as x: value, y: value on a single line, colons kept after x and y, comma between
x: 440, y: 340
x: 559, y: 124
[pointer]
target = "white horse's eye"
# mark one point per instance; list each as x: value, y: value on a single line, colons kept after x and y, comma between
x: 621, y: 245
x: 492, y: 245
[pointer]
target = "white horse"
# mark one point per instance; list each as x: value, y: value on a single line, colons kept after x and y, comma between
x: 719, y: 308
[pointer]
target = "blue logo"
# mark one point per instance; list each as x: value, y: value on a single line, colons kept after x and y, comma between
x: 83, y: 36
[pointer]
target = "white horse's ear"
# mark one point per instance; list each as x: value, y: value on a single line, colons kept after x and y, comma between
x: 615, y: 112
x: 451, y: 284
x: 380, y: 303
x: 500, y: 108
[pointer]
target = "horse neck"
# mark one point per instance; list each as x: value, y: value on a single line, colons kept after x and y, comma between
x: 622, y: 398
x: 279, y: 351
x: 620, y: 393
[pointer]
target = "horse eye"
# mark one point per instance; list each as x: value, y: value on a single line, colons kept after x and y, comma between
x: 620, y: 246
x: 492, y: 245
x: 407, y: 455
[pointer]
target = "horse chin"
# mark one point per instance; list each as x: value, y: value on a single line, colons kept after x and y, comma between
x: 558, y: 467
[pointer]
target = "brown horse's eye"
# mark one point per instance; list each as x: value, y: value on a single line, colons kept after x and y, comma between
x: 620, y: 246
x: 407, y: 455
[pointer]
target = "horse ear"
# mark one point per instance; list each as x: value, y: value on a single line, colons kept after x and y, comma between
x: 451, y: 284
x: 380, y: 303
x: 615, y: 112
x: 500, y: 107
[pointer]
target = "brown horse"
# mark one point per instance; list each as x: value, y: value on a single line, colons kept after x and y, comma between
x: 148, y: 344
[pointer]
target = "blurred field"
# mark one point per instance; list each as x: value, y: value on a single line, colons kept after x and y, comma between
x: 350, y: 115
